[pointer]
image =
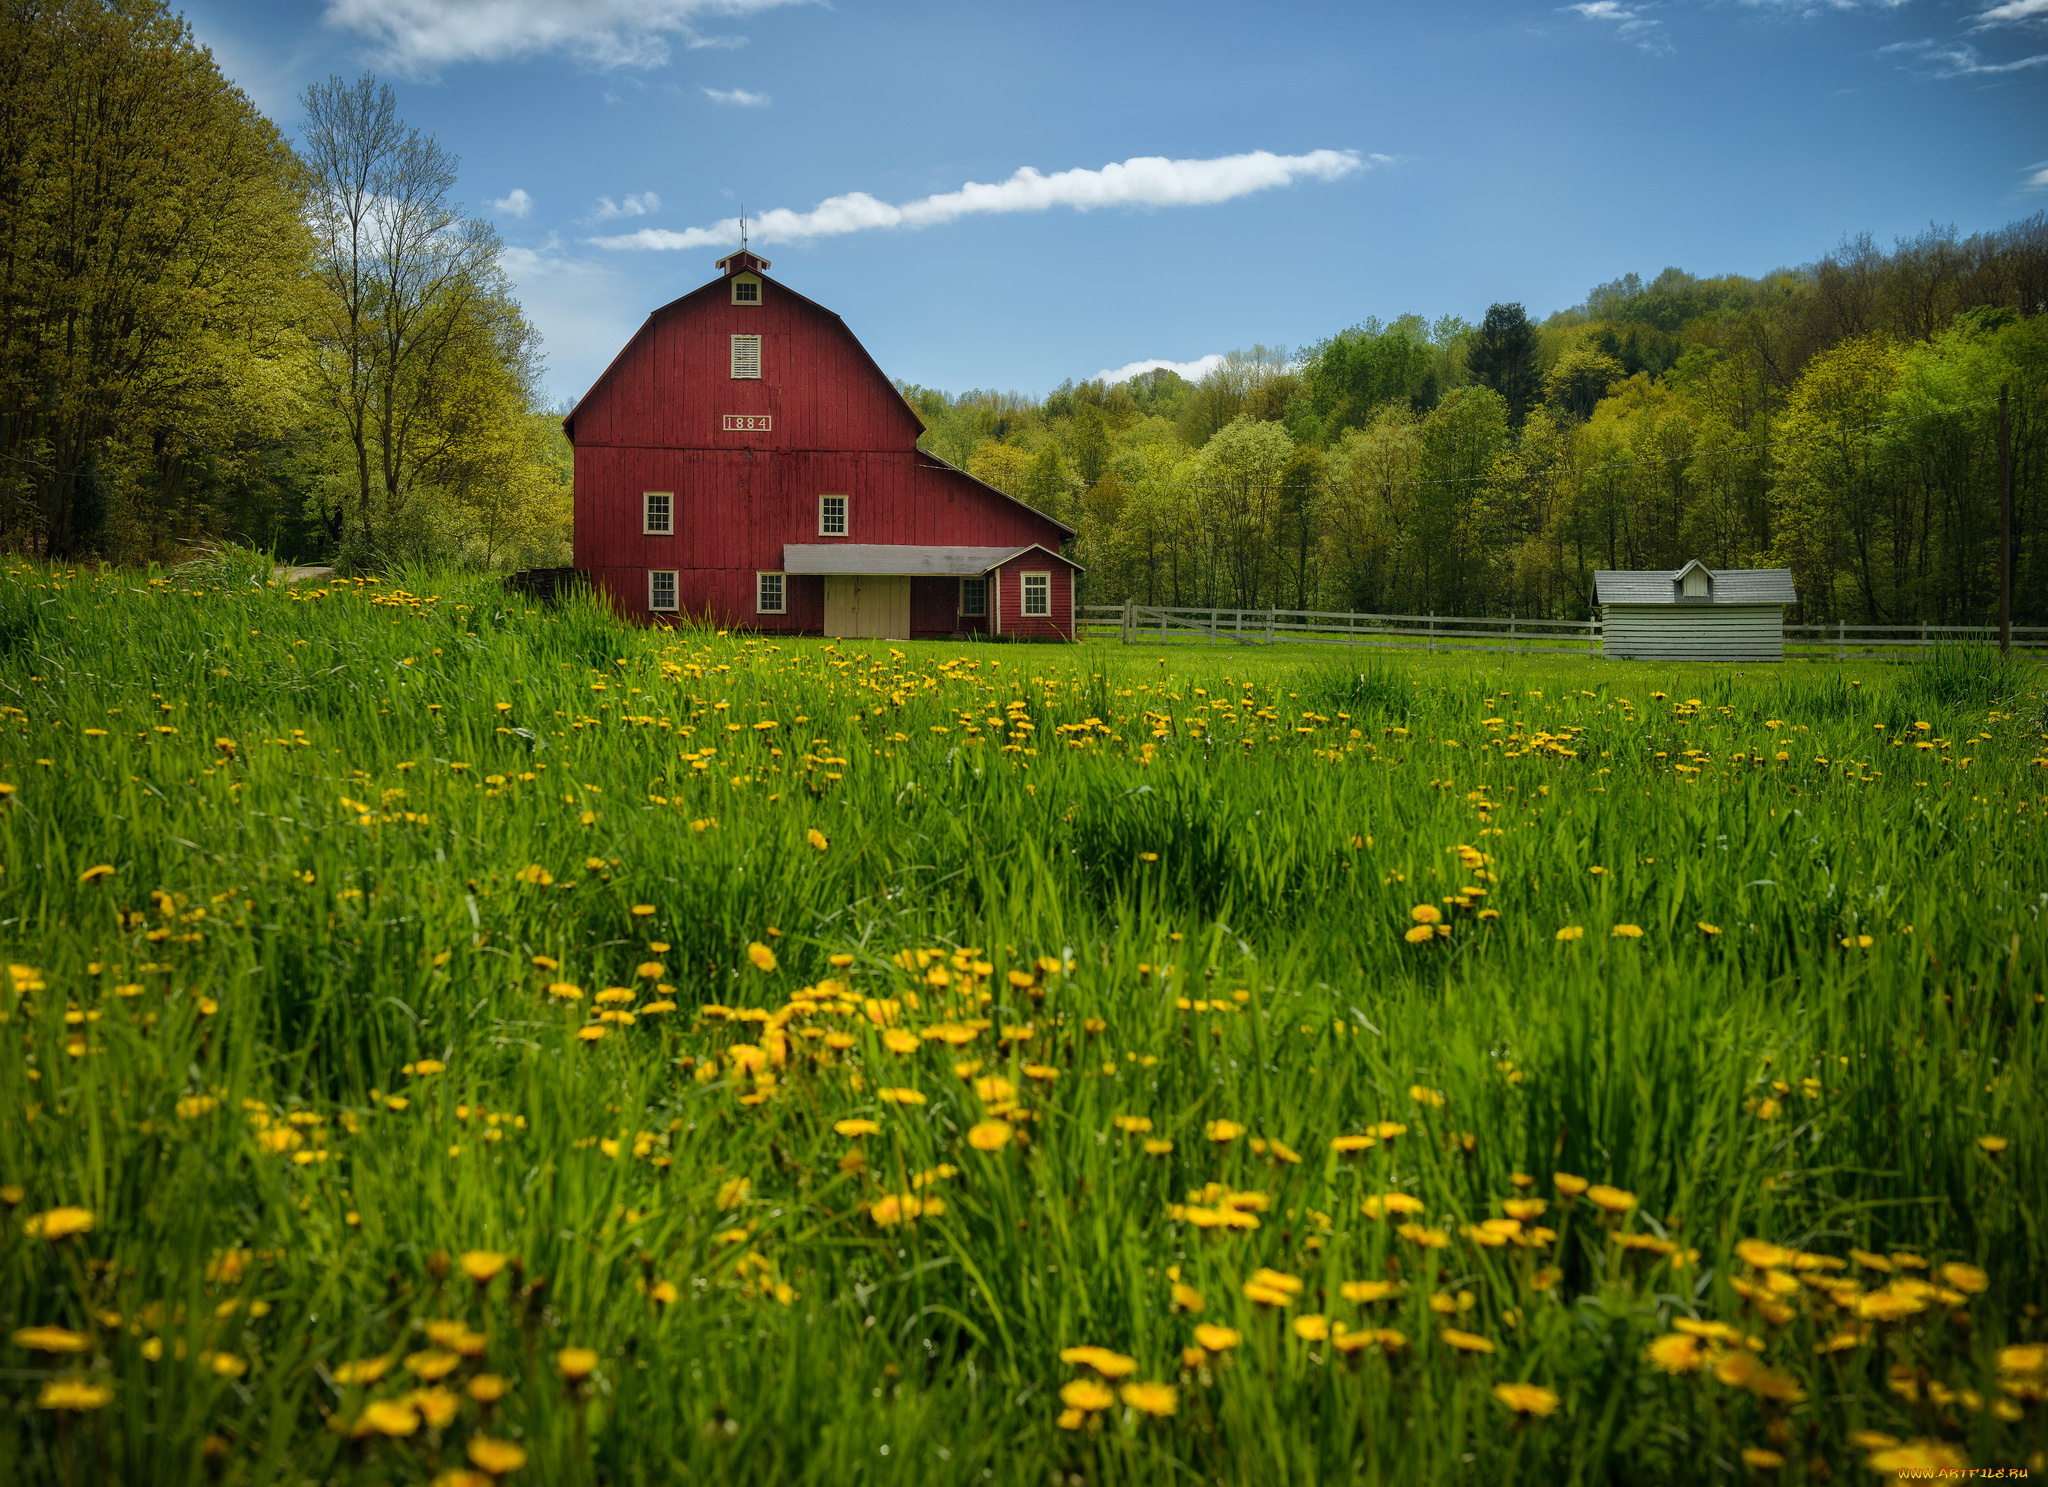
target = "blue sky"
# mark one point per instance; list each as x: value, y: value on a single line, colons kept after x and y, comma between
x: 1289, y: 172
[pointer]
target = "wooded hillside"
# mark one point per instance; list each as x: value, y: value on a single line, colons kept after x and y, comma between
x: 1840, y: 419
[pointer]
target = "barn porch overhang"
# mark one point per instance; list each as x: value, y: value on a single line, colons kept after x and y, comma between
x: 900, y: 560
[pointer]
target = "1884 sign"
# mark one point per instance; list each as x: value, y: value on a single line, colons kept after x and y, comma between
x: 748, y: 423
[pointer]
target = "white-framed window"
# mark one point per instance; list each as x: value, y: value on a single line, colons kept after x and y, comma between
x: 1037, y: 594
x: 746, y: 290
x: 746, y: 356
x: 770, y: 593
x: 831, y: 516
x: 974, y: 596
x: 657, y: 513
x: 661, y: 588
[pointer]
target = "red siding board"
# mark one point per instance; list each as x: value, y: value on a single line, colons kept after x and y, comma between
x: 654, y: 422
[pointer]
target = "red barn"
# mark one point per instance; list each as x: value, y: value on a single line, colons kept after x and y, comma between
x: 744, y: 460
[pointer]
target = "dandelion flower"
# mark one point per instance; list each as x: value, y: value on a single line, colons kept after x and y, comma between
x: 74, y: 1394
x: 1526, y: 1399
x: 1217, y: 1339
x: 388, y: 1417
x: 52, y: 1339
x: 1221, y: 1131
x: 495, y: 1456
x: 1675, y: 1353
x: 1367, y: 1290
x: 1156, y: 1400
x: 857, y: 1128
x: 1426, y: 914
x: 1756, y: 1458
x: 1993, y: 1144
x: 762, y: 957
x: 1187, y: 1298
x: 1628, y: 932
x: 362, y: 1371
x: 94, y: 874
x: 1613, y: 1200
x: 817, y: 839
x: 1157, y: 1146
x: 58, y: 1223
x: 900, y: 1096
x: 1110, y: 1365
x: 576, y: 1364
x: 1569, y: 1185
x: 1087, y: 1394
x: 1466, y: 1342
x: 1422, y: 934
x: 1387, y: 1203
x: 989, y: 1135
x: 489, y: 1388
x: 1709, y: 930
x: 1965, y: 1278
x: 1572, y: 932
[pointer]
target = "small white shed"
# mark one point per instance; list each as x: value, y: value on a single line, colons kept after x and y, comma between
x: 1696, y: 613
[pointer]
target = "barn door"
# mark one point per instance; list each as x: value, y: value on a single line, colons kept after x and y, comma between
x: 867, y: 608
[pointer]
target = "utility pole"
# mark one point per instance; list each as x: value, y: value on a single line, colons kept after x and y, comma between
x: 2004, y: 530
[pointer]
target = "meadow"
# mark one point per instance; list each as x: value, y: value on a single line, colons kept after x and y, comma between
x: 452, y: 1041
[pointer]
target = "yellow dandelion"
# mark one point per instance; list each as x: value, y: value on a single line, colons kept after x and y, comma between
x: 74, y: 1394
x: 1572, y: 932
x: 857, y: 1127
x: 1756, y: 1458
x: 990, y: 1135
x: 1087, y: 1394
x: 900, y: 1096
x: 1156, y: 1400
x: 1426, y: 914
x: 58, y: 1223
x: 817, y: 839
x: 1613, y: 1200
x: 762, y: 957
x: 576, y: 1364
x: 1628, y: 932
x: 1221, y: 1131
x: 1217, y: 1339
x: 1527, y: 1399
x: 52, y: 1340
x: 1569, y: 1185
x: 1466, y: 1342
x: 495, y: 1456
x: 388, y: 1417
x: 94, y: 874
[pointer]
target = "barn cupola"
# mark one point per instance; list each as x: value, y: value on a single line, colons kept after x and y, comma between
x: 1693, y: 584
x: 743, y: 272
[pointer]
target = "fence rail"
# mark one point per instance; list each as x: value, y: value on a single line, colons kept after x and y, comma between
x: 1188, y: 625
x: 1173, y: 625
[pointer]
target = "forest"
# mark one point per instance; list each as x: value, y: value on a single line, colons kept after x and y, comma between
x: 1840, y: 419
x: 210, y: 334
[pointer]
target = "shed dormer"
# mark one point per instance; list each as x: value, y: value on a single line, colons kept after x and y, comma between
x: 1693, y: 584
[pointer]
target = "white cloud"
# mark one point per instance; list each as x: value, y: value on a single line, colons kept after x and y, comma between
x: 2011, y: 12
x: 1629, y: 23
x: 584, y: 309
x: 1194, y: 370
x: 417, y: 36
x: 1946, y: 59
x: 646, y: 204
x: 738, y: 96
x: 1145, y: 181
x: 2037, y: 179
x: 518, y: 204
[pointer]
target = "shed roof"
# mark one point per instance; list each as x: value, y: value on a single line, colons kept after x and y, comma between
x: 1660, y: 586
x: 891, y: 559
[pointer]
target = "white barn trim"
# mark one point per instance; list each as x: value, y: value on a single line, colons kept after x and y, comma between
x: 1694, y: 613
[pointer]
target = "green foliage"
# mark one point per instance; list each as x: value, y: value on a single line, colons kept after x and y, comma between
x: 296, y: 1053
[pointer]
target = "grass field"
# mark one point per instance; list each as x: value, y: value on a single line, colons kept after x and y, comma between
x: 450, y: 1042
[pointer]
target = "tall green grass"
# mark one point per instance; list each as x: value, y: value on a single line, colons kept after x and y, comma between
x: 325, y: 875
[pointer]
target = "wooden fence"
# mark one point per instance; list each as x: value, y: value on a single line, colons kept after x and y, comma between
x: 1169, y: 625
x: 1132, y: 622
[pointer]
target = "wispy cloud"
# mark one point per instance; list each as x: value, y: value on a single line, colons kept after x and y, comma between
x: 1194, y: 370
x: 1146, y: 181
x: 739, y: 97
x: 2037, y: 177
x: 2012, y: 13
x: 1818, y: 7
x: 646, y: 204
x: 1629, y: 23
x: 1946, y: 59
x: 518, y: 204
x: 418, y: 36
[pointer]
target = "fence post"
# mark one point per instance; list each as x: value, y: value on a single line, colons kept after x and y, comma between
x: 1269, y: 627
x: 1351, y: 629
x: 1127, y: 622
x: 1162, y: 627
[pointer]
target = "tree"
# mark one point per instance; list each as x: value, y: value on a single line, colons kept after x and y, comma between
x: 150, y: 248
x: 402, y: 274
x: 1502, y: 356
x: 1239, y: 470
x: 1580, y: 380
